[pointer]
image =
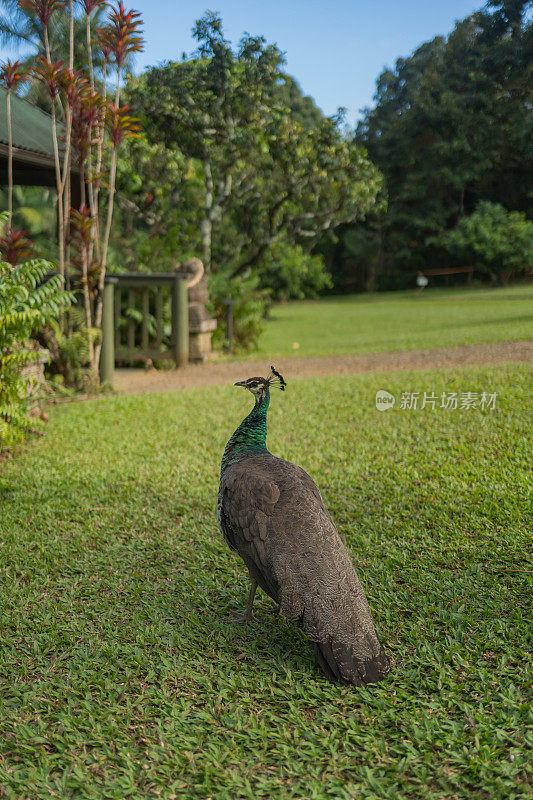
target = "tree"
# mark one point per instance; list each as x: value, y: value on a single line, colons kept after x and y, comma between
x: 452, y: 126
x: 158, y: 205
x: 303, y: 108
x: 496, y: 241
x: 210, y: 108
x: 160, y: 192
x: 304, y: 183
x: 269, y: 173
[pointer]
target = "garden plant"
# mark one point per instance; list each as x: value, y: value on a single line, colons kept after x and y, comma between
x: 26, y: 305
x: 87, y: 126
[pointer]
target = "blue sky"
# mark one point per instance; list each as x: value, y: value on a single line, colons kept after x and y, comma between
x: 334, y: 48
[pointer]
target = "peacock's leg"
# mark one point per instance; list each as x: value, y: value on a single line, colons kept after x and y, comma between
x: 247, y: 615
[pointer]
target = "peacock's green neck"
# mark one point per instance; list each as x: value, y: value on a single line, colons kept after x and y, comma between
x: 250, y: 436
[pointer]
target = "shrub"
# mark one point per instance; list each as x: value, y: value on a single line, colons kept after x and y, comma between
x: 496, y: 241
x: 249, y: 307
x: 69, y: 352
x: 26, y: 304
x: 15, y: 246
x: 289, y: 273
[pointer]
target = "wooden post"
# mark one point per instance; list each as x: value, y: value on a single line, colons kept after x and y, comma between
x: 107, y: 354
x: 117, y: 303
x: 228, y: 302
x: 180, y: 321
x: 146, y: 312
x: 159, y: 317
x: 131, y: 321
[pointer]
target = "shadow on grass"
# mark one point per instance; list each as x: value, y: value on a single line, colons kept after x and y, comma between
x: 483, y: 322
x: 155, y: 580
x: 141, y: 575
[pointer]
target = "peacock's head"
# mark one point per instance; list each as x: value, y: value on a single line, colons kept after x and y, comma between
x: 259, y: 387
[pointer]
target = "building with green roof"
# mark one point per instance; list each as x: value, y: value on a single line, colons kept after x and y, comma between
x: 33, y: 144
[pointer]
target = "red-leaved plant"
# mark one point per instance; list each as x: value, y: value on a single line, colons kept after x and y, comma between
x: 82, y: 122
x: 15, y: 247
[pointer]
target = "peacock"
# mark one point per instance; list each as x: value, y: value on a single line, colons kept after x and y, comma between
x: 271, y: 513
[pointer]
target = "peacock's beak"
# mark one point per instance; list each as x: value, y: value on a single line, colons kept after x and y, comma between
x: 240, y: 383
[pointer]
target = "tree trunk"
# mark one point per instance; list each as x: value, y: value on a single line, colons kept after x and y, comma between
x: 89, y: 48
x: 206, y: 229
x: 370, y: 283
x: 101, y: 277
x: 96, y: 191
x: 61, y: 226
x: 67, y: 187
x: 64, y: 319
x: 90, y: 187
x: 82, y: 185
x: 462, y: 202
x: 71, y: 37
x: 47, y: 44
x: 87, y: 306
x: 117, y: 93
x: 66, y: 194
x: 206, y: 226
x: 9, y: 162
x: 375, y: 265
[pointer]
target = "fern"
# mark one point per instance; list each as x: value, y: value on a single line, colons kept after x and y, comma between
x: 26, y: 304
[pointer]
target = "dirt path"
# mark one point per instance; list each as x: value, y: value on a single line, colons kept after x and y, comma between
x: 139, y: 381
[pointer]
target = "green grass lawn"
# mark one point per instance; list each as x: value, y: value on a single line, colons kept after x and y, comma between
x: 120, y: 674
x: 398, y: 321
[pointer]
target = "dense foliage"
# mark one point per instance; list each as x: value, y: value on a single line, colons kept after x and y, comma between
x: 451, y: 126
x: 237, y: 167
x: 34, y: 212
x: 249, y: 304
x: 289, y: 272
x: 450, y: 129
x: 499, y: 242
x: 26, y: 304
x: 267, y: 173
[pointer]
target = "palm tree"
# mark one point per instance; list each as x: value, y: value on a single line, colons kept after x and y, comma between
x: 11, y: 76
x: 21, y: 30
x: 14, y: 28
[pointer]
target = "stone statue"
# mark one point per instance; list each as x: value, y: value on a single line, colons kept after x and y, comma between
x: 201, y: 326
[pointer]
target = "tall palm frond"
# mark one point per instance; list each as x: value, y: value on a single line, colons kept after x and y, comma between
x: 16, y: 27
x: 20, y: 30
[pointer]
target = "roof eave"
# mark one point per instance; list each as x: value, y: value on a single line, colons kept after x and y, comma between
x: 31, y: 157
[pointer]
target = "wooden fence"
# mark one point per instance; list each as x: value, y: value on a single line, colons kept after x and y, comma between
x: 133, y: 323
x: 468, y: 271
